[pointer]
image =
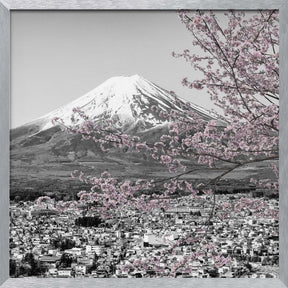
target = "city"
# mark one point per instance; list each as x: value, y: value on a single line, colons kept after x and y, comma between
x: 45, y: 243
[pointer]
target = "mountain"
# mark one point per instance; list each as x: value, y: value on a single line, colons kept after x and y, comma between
x: 42, y: 154
x: 126, y: 100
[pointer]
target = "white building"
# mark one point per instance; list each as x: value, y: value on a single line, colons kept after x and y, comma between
x: 98, y: 249
x: 88, y: 248
x: 81, y: 269
x: 64, y: 272
x: 74, y: 251
x: 53, y: 272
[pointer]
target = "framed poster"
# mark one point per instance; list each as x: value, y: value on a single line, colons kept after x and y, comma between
x: 130, y: 180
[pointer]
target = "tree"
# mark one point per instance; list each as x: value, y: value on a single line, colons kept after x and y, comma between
x: 65, y: 260
x: 63, y: 243
x: 28, y: 265
x: 240, y: 67
x: 88, y: 221
x: 12, y: 267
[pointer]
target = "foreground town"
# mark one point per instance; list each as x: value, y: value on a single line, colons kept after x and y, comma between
x: 44, y: 243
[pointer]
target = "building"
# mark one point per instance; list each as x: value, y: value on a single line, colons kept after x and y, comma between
x: 65, y: 272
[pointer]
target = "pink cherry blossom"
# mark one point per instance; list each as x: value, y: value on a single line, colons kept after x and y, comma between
x: 239, y: 64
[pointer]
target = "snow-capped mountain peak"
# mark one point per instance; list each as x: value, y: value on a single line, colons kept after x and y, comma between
x: 126, y: 99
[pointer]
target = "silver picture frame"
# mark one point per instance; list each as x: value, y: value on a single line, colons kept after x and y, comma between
x: 7, y: 7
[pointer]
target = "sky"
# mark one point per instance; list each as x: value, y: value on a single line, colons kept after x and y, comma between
x: 56, y: 57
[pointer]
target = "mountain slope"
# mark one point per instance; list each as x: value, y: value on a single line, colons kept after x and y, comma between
x: 41, y: 151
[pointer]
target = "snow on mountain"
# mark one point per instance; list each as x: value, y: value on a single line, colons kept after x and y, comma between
x: 128, y: 100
